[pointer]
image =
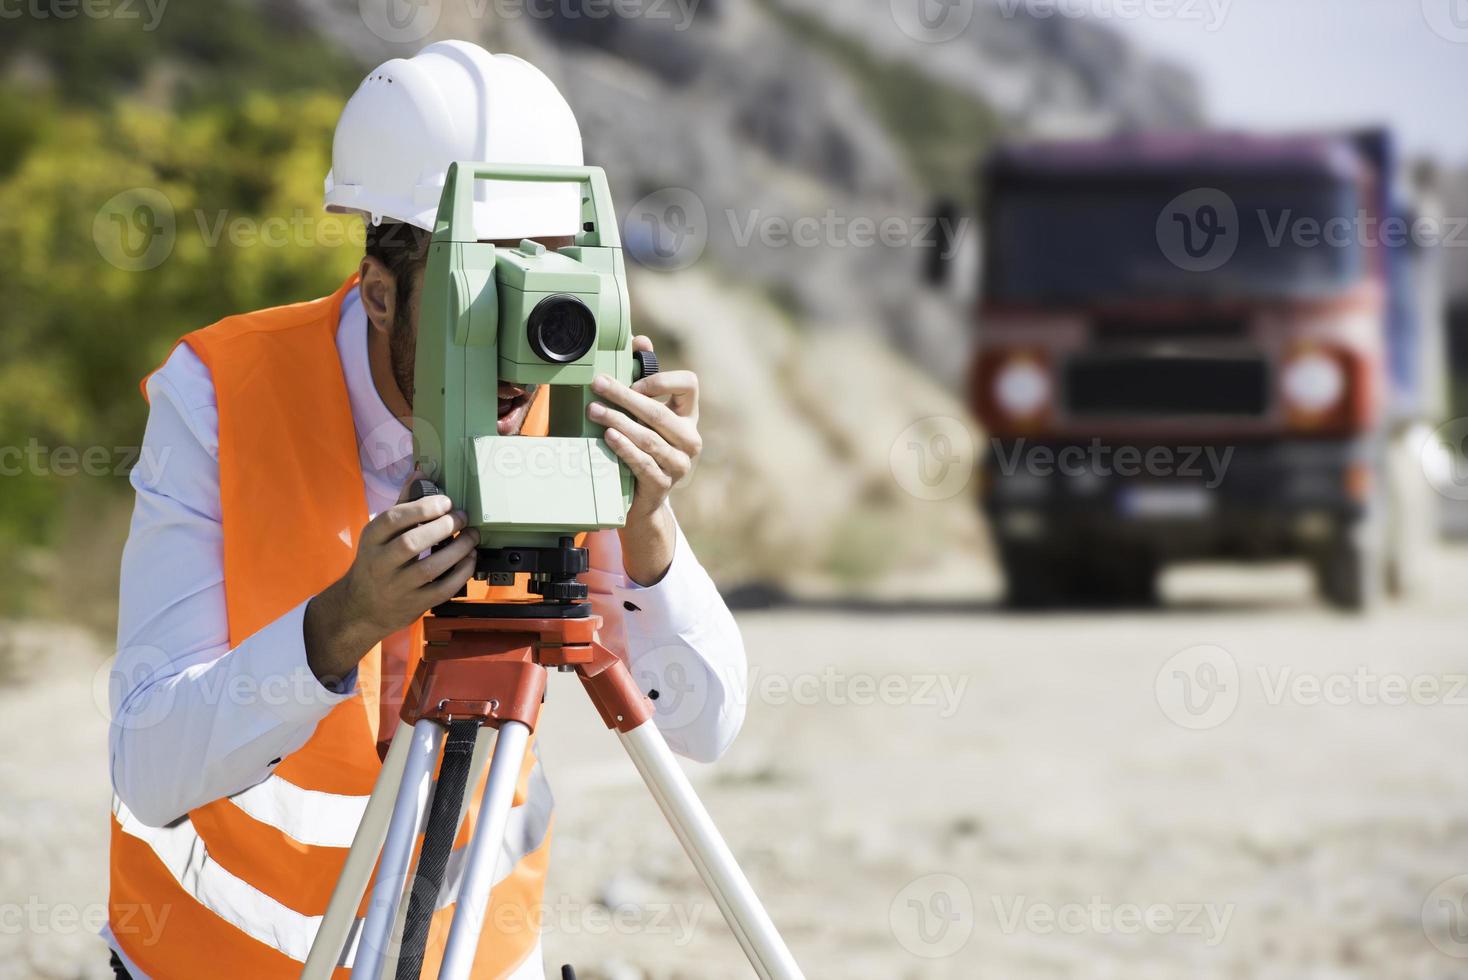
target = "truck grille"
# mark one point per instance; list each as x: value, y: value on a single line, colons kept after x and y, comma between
x: 1115, y: 386
x: 1184, y: 330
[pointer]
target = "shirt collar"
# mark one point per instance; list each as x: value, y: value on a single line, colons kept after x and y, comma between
x: 385, y: 444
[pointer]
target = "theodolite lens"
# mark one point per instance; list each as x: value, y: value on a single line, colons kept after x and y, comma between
x: 561, y: 328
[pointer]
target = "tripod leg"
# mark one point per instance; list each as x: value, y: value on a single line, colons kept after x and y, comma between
x: 438, y: 845
x: 767, y: 952
x: 341, y: 911
x: 484, y: 850
x: 477, y: 765
x: 397, y: 850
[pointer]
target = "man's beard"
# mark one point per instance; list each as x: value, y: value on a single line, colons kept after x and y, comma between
x: 402, y: 347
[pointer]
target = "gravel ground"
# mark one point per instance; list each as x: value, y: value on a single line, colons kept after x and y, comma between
x: 1240, y: 785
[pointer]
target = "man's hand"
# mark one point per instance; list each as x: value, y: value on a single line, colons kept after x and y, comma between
x: 659, y: 443
x: 388, y: 586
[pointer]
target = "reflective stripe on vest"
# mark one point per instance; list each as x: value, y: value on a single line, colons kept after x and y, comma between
x: 238, y: 886
x: 184, y: 855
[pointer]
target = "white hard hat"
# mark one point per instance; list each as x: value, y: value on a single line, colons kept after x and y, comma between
x: 411, y: 117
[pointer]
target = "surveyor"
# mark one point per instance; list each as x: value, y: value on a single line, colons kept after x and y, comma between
x: 274, y: 575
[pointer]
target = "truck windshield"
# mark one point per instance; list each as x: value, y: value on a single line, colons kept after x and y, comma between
x: 1092, y: 242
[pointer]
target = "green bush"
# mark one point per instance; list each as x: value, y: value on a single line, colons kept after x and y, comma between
x: 94, y: 166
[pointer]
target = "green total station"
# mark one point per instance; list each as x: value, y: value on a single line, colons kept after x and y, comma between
x: 525, y: 315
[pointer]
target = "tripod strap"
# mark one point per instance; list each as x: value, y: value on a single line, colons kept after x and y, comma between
x: 438, y: 843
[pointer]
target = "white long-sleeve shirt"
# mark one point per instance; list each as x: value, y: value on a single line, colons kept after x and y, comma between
x: 194, y: 721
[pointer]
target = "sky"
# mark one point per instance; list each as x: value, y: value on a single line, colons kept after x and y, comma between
x: 1277, y: 64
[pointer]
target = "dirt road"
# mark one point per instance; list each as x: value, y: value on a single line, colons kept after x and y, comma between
x: 1239, y: 785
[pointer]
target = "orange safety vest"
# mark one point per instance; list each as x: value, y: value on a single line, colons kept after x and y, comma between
x: 237, y: 887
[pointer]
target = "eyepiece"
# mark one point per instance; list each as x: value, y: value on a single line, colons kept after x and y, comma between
x: 561, y: 329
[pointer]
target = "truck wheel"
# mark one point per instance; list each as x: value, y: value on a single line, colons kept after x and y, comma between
x: 1035, y: 577
x: 1350, y: 575
x: 1118, y: 578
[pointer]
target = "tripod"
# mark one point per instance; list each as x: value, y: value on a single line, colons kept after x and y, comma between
x: 484, y: 665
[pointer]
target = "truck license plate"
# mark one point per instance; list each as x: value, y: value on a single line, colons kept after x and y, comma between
x: 1153, y: 503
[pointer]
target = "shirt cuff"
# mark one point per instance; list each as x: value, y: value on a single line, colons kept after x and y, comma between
x: 675, y: 603
x: 288, y: 687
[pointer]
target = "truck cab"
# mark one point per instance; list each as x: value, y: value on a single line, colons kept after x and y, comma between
x: 1192, y: 347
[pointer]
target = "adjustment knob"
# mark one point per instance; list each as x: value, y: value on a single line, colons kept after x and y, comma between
x: 560, y: 591
x: 422, y: 488
x: 645, y: 364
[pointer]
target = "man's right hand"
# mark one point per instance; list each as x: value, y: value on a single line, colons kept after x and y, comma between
x: 389, y: 586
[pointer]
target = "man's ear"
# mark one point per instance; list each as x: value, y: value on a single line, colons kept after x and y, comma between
x: 379, y: 293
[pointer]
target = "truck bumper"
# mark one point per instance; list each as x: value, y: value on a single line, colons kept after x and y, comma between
x: 1256, y: 500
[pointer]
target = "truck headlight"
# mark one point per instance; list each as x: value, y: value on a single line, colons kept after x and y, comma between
x: 1313, y: 382
x: 1022, y: 388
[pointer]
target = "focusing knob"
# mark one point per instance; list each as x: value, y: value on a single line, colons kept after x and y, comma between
x: 560, y: 591
x: 647, y: 364
x: 422, y: 488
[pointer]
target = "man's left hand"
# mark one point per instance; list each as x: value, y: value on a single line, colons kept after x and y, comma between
x: 659, y: 442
